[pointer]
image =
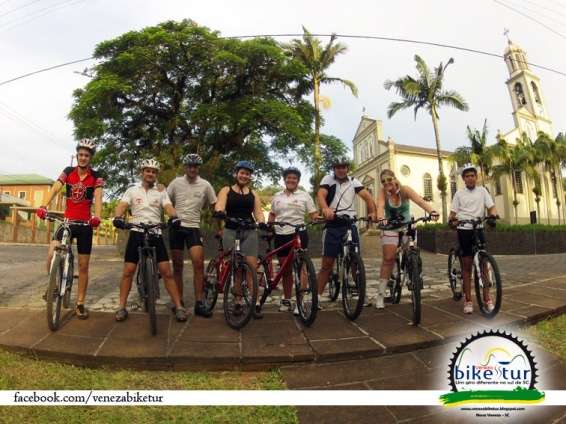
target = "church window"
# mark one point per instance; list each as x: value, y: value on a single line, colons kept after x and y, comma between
x: 427, y: 183
x: 518, y: 89
x: 518, y: 181
x: 453, y: 185
x: 405, y: 171
x: 535, y: 91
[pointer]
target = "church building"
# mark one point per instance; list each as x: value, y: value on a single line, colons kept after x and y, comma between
x: 417, y: 167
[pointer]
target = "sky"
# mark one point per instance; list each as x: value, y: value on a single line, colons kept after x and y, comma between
x: 37, y: 137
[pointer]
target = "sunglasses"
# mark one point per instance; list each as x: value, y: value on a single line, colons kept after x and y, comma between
x: 387, y: 180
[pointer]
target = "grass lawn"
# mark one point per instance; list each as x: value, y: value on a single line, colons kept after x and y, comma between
x: 25, y: 373
x: 551, y: 334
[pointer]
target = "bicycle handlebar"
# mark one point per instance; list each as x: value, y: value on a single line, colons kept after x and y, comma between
x: 145, y: 227
x: 476, y: 221
x: 395, y: 224
x: 56, y: 218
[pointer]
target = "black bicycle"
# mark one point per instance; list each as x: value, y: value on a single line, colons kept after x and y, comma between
x: 147, y: 278
x: 408, y: 266
x: 60, y: 273
x: 485, y: 272
x: 349, y: 275
x: 229, y: 273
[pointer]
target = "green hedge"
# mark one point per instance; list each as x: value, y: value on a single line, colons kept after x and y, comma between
x: 501, y: 227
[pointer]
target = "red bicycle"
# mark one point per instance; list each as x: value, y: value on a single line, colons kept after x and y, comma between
x: 230, y: 274
x: 303, y: 272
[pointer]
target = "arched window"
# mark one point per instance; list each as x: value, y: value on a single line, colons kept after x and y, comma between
x: 427, y: 187
x: 518, y: 89
x: 497, y: 186
x: 518, y: 181
x: 535, y: 91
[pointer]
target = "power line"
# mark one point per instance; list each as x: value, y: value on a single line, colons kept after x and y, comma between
x: 23, y: 6
x: 546, y: 7
x: 531, y: 18
x: 38, y: 14
x: 541, y: 14
x: 367, y: 37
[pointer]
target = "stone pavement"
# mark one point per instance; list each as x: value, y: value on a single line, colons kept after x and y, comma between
x: 23, y: 276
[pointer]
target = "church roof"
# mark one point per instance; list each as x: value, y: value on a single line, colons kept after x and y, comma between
x: 512, y: 47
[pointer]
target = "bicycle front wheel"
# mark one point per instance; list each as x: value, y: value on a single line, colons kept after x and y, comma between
x: 67, y: 296
x: 150, y: 283
x: 394, y: 284
x: 455, y: 274
x: 488, y: 290
x: 53, y: 296
x: 240, y: 295
x: 414, y: 270
x: 353, y: 286
x: 263, y: 278
x: 306, y: 290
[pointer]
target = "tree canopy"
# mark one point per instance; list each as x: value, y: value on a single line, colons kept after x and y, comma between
x: 179, y: 88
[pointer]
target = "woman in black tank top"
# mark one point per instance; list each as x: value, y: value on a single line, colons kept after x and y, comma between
x: 239, y: 201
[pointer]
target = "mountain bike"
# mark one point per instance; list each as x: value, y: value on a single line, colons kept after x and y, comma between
x: 230, y: 274
x: 408, y: 266
x: 60, y: 273
x: 304, y: 274
x: 485, y: 272
x: 349, y: 275
x: 147, y: 277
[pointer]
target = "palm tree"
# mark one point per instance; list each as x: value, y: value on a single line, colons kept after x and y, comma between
x: 317, y: 59
x: 511, y: 160
x: 477, y: 152
x: 552, y: 153
x: 426, y: 91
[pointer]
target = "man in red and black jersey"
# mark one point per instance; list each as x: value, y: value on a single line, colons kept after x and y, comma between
x: 83, y: 187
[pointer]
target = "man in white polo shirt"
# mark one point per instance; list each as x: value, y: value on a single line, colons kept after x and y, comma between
x: 190, y: 194
x: 470, y: 203
x: 146, y: 204
x: 290, y: 205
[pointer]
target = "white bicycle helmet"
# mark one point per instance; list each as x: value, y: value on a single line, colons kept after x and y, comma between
x: 468, y: 167
x: 87, y: 143
x: 149, y: 163
x: 192, y: 159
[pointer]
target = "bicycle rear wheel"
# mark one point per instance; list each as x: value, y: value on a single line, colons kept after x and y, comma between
x: 210, y: 286
x: 394, y: 284
x: 150, y: 283
x: 264, y: 290
x: 455, y: 274
x: 414, y: 271
x: 306, y: 291
x: 353, y: 286
x: 334, y: 283
x: 240, y: 295
x: 54, y: 299
x: 490, y: 286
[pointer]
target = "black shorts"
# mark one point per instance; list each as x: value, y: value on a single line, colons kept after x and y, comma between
x: 281, y: 239
x: 179, y: 238
x: 83, y: 234
x: 136, y: 240
x: 333, y: 239
x: 466, y: 241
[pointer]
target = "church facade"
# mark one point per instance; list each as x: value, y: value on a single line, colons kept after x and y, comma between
x: 417, y: 167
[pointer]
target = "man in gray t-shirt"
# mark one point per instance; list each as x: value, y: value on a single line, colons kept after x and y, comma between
x: 190, y: 194
x: 470, y: 203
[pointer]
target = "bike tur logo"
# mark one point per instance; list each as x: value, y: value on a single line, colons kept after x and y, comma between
x: 492, y: 367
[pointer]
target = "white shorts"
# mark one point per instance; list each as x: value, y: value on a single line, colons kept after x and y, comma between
x: 391, y: 238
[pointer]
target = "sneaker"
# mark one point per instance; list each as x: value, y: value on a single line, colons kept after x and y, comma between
x: 180, y: 314
x: 296, y: 311
x: 468, y: 307
x: 285, y: 305
x: 379, y: 302
x: 489, y: 305
x: 81, y: 312
x: 121, y: 314
x: 200, y: 310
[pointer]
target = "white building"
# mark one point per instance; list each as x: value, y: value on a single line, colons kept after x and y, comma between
x: 417, y: 167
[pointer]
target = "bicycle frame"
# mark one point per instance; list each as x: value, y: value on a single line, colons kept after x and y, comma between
x: 293, y: 245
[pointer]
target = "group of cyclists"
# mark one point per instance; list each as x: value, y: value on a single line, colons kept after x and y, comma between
x: 187, y: 196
